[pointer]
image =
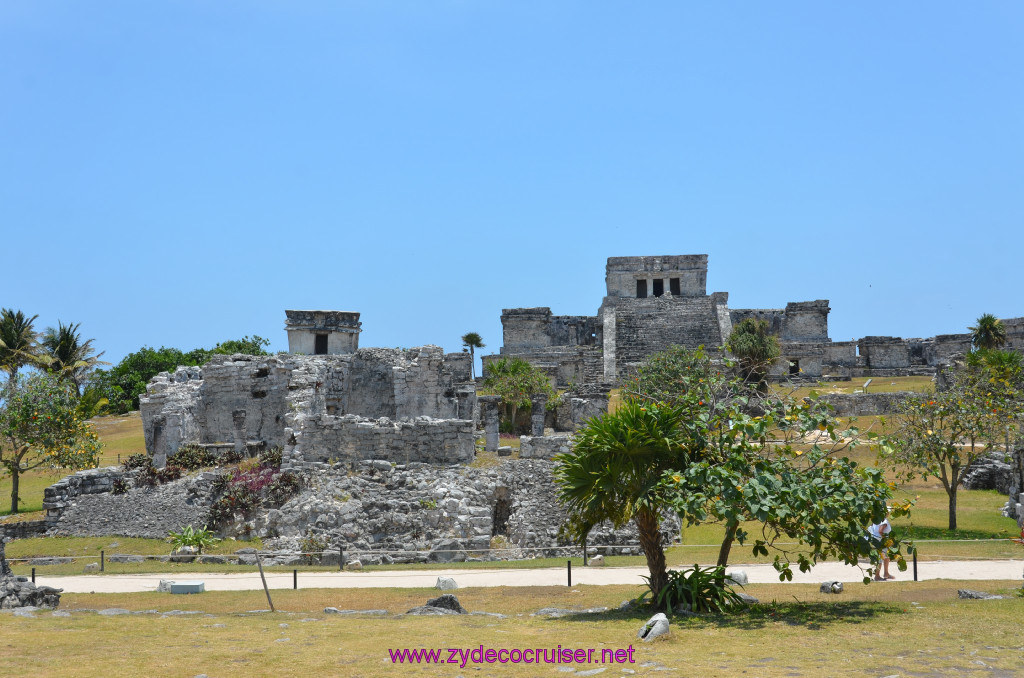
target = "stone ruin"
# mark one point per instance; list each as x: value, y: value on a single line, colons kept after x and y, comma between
x: 653, y: 302
x: 18, y: 592
x: 382, y: 439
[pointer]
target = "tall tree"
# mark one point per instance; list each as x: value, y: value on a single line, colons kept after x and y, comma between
x: 19, y: 343
x: 988, y: 333
x: 70, y: 358
x: 472, y: 340
x: 756, y: 348
x: 39, y: 427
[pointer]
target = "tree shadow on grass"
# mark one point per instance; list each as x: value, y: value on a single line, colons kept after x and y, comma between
x: 810, y: 615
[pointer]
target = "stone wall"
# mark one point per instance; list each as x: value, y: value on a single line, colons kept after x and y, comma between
x: 544, y: 447
x: 865, y: 404
x: 435, y: 441
x: 267, y: 400
x: 646, y: 326
x: 691, y: 270
x: 57, y: 497
x: 806, y: 321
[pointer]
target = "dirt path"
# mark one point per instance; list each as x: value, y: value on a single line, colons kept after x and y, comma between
x: 593, y: 576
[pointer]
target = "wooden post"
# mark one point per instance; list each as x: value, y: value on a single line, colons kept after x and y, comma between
x: 102, y: 561
x: 259, y: 564
x: 584, y: 552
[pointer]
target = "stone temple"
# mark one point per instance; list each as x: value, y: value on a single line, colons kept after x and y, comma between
x: 653, y: 302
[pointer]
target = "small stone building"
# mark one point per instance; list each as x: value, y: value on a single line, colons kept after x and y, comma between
x: 322, y: 332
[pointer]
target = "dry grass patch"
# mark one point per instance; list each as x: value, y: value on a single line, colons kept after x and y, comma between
x: 877, y: 630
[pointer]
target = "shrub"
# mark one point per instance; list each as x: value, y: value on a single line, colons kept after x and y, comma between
x: 312, y: 546
x: 282, y: 488
x: 192, y: 457
x: 189, y: 536
x: 158, y: 476
x: 121, y: 486
x: 702, y: 589
x: 271, y: 458
x: 134, y: 461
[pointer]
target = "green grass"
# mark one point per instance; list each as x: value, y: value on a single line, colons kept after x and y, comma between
x: 878, y: 385
x: 903, y: 627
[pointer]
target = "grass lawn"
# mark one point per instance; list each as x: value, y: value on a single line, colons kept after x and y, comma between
x: 901, y: 628
x: 878, y: 385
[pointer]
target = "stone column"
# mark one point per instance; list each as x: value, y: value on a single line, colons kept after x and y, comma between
x: 238, y: 419
x: 489, y: 412
x: 538, y: 409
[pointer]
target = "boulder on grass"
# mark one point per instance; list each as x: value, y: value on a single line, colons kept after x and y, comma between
x: 446, y: 604
x: 446, y: 584
x: 655, y: 627
x: 831, y: 587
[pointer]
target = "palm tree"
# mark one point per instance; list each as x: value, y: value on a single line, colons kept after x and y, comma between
x: 988, y: 333
x: 19, y: 343
x: 68, y: 356
x: 614, y: 471
x: 756, y: 347
x: 472, y: 340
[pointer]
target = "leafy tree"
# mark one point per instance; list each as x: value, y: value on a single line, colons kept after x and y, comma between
x: 515, y: 380
x: 19, y: 343
x: 940, y: 435
x: 988, y: 333
x: 39, y: 427
x: 756, y: 348
x: 750, y: 458
x: 614, y: 471
x: 472, y: 340
x: 69, y: 357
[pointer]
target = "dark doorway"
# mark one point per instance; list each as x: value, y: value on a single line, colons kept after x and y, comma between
x: 502, y: 511
x: 794, y: 367
x: 673, y: 287
x: 320, y: 344
x: 641, y: 289
x: 659, y: 287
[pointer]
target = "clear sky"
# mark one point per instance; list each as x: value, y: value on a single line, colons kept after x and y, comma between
x: 179, y: 173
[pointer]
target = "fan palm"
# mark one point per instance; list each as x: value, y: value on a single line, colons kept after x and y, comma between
x: 756, y: 347
x: 614, y: 470
x: 19, y: 343
x: 988, y: 333
x: 68, y: 356
x: 472, y: 340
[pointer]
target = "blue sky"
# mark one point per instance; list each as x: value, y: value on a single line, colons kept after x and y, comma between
x: 179, y: 173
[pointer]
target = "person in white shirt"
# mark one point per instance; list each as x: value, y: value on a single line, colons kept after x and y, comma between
x: 878, y: 534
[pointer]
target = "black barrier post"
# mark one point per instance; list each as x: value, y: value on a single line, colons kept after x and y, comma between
x: 341, y: 558
x: 584, y: 552
x: 103, y: 560
x: 915, y: 563
x: 295, y: 579
x: 33, y: 575
x: 568, y: 569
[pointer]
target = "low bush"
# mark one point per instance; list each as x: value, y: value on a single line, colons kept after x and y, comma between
x: 192, y: 457
x: 134, y: 461
x: 312, y: 546
x: 701, y: 589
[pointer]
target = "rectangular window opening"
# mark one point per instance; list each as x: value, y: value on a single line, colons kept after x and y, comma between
x: 794, y: 367
x: 673, y: 287
x: 641, y: 289
x: 659, y: 287
x: 320, y: 345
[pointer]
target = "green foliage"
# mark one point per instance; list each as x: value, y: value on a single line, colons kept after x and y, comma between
x: 472, y: 341
x: 940, y: 435
x: 19, y: 343
x: 700, y: 589
x: 516, y: 380
x: 40, y: 428
x: 271, y: 457
x: 756, y: 348
x: 67, y: 355
x: 428, y: 504
x: 678, y: 376
x: 134, y: 461
x: 254, y: 482
x: 152, y: 476
x: 988, y: 333
x: 91, y: 403
x: 312, y: 546
x: 189, y: 536
x: 192, y: 457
